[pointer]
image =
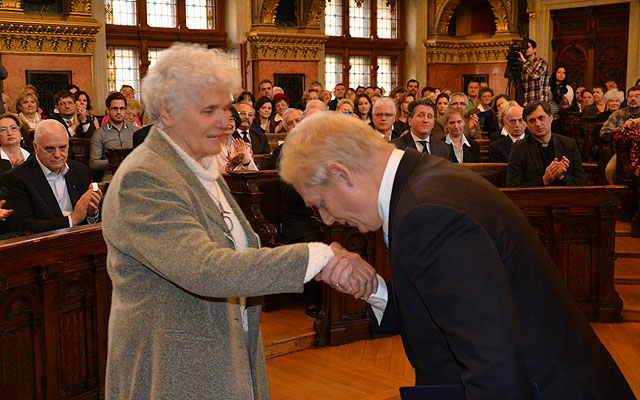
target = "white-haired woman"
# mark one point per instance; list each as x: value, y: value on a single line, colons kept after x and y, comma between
x: 184, y: 263
x: 613, y: 99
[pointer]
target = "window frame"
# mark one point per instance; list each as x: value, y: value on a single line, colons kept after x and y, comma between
x: 346, y: 45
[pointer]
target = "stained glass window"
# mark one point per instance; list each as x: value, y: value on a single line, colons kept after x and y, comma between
x: 333, y: 18
x: 332, y: 70
x: 200, y: 14
x: 233, y: 57
x: 359, y: 74
x: 122, y: 67
x: 154, y: 54
x: 359, y: 18
x: 161, y: 13
x: 120, y: 12
x: 387, y: 73
x: 387, y: 19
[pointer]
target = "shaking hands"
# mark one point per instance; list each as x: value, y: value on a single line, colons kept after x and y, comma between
x: 348, y: 273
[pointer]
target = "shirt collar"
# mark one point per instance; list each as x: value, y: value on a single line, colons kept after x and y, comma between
x: 448, y: 140
x: 518, y: 138
x: 207, y: 169
x: 110, y: 126
x: 386, y: 186
x: 47, y: 172
x: 417, y: 139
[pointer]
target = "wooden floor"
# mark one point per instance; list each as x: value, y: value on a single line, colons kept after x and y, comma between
x: 375, y: 369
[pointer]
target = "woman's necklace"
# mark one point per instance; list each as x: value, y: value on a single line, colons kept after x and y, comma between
x: 226, y: 215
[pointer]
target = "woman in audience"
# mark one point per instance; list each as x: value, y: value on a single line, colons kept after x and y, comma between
x: 350, y: 94
x: 613, y: 98
x: 587, y: 100
x: 561, y: 95
x: 493, y: 125
x: 263, y: 122
x: 7, y: 102
x: 345, y: 106
x: 281, y: 102
x: 397, y: 93
x: 485, y: 113
x: 402, y: 106
x: 27, y: 106
x: 463, y: 149
x: 83, y: 102
x: 185, y: 265
x: 235, y: 154
x: 439, y: 126
x: 247, y: 97
x: 10, y: 139
x: 363, y: 107
x: 133, y: 113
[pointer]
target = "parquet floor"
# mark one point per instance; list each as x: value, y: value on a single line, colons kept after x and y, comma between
x: 375, y: 369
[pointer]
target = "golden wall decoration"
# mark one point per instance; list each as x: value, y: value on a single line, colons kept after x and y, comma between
x: 445, y: 17
x: 286, y: 48
x: 81, y: 7
x: 11, y: 5
x: 268, y: 12
x: 463, y: 53
x: 47, y: 38
x: 315, y: 13
x: 501, y: 16
x: 501, y: 11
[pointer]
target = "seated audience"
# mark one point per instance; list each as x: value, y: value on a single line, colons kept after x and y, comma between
x: 544, y: 158
x: 610, y: 85
x: 314, y: 106
x: 280, y: 102
x: 463, y: 149
x: 442, y: 106
x: 338, y: 93
x: 83, y: 104
x: 493, y: 125
x: 485, y: 113
x: 308, y: 95
x: 473, y: 91
x: 11, y: 139
x: 561, y: 95
x: 277, y: 90
x: 413, y: 87
x: 76, y: 120
x: 472, y: 125
x: 363, y: 107
x: 345, y: 106
x: 246, y: 97
x: 397, y: 93
x: 235, y: 154
x: 115, y: 133
x: 7, y: 103
x: 598, y: 106
x: 128, y: 91
x: 587, y: 100
x: 133, y: 113
x: 613, y: 99
x: 421, y: 118
x: 350, y: 94
x: 510, y: 115
x: 263, y: 122
x: 265, y: 89
x: 577, y: 101
x: 402, y: 106
x: 384, y: 114
x: 259, y: 142
x: 27, y: 106
x: 48, y: 191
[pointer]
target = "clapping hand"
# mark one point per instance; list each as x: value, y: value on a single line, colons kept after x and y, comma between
x: 349, y: 273
x: 4, y: 213
x: 556, y: 170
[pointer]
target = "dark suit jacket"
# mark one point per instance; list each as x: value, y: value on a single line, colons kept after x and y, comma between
x: 394, y: 134
x: 500, y: 149
x: 525, y: 163
x: 79, y: 132
x: 5, y: 165
x: 140, y: 135
x: 259, y: 141
x: 469, y: 154
x: 34, y: 205
x: 438, y: 147
x: 477, y: 298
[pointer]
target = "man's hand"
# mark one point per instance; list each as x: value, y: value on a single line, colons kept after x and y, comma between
x: 522, y: 58
x: 631, y: 123
x: 86, y: 205
x: 4, y: 213
x: 555, y: 170
x: 81, y: 113
x: 349, y: 273
x: 473, y: 121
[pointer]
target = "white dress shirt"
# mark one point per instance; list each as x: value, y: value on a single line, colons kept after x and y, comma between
x: 458, y: 153
x: 419, y: 145
x: 58, y: 185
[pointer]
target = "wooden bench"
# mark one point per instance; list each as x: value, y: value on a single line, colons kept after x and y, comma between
x: 625, y: 176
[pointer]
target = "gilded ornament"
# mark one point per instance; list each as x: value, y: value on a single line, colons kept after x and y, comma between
x: 462, y: 53
x: 268, y: 11
x: 81, y: 7
x: 314, y: 16
x: 11, y: 5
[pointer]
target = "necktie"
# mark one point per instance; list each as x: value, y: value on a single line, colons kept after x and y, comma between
x: 69, y: 122
x: 245, y: 136
x: 424, y: 144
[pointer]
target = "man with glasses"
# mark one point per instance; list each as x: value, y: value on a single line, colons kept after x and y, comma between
x: 78, y: 125
x: 259, y: 142
x: 47, y: 191
x: 115, y: 133
x: 384, y: 115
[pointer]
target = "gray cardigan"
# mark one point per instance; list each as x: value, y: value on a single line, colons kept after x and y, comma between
x: 175, y: 328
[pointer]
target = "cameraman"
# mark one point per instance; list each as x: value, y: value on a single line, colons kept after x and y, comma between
x: 535, y: 75
x: 561, y: 95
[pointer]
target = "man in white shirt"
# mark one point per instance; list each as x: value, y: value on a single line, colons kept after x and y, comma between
x: 48, y: 191
x: 78, y: 124
x: 473, y: 292
x: 421, y: 119
x: 513, y: 130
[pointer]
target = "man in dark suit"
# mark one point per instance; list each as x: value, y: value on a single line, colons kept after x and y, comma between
x: 47, y: 191
x: 383, y: 115
x: 76, y: 121
x: 421, y: 118
x: 473, y: 292
x: 544, y: 158
x: 513, y: 130
x: 338, y: 93
x: 259, y: 142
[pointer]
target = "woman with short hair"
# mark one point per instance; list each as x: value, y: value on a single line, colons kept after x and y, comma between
x: 11, y: 128
x: 463, y: 149
x: 27, y: 106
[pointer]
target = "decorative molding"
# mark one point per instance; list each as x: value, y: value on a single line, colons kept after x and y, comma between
x: 47, y: 38
x: 11, y: 5
x: 438, y: 6
x: 500, y: 15
x: 268, y: 12
x: 286, y: 48
x: 463, y: 53
x: 315, y: 13
x: 447, y: 13
x: 81, y: 7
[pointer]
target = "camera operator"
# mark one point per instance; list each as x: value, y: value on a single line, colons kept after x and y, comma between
x: 535, y: 75
x: 561, y: 95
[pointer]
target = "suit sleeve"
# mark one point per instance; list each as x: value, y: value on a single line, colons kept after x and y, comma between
x: 81, y: 133
x: 463, y: 284
x: 20, y: 199
x: 494, y: 153
x: 475, y: 152
x: 389, y: 325
x: 575, y: 175
x: 517, y: 168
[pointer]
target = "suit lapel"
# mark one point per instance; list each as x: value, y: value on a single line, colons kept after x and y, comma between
x: 75, y: 192
x: 408, y: 163
x: 558, y: 148
x: 534, y: 153
x: 42, y: 185
x: 409, y: 140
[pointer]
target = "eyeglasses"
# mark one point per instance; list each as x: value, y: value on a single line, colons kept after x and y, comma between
x: 118, y: 108
x: 386, y: 115
x: 12, y: 128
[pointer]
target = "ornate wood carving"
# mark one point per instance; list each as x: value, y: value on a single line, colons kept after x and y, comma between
x: 286, y: 48
x: 47, y: 37
x: 501, y: 15
x: 445, y: 17
x: 268, y: 12
x: 315, y: 13
x: 467, y: 52
x: 11, y: 5
x: 81, y: 7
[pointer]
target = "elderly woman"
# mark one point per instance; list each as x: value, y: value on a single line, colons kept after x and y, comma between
x: 10, y: 139
x: 463, y: 149
x: 27, y: 106
x: 280, y: 102
x: 613, y: 99
x: 184, y: 263
x: 235, y: 154
x: 345, y: 106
